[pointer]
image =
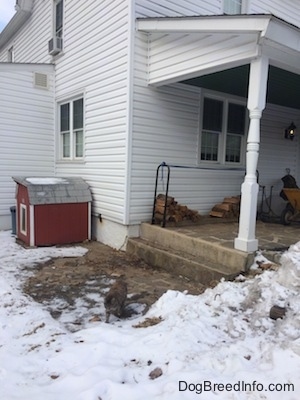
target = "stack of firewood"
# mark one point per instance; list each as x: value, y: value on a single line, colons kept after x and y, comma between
x: 174, y: 212
x: 229, y: 208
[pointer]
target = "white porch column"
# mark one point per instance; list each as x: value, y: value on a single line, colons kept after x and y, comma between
x: 257, y: 90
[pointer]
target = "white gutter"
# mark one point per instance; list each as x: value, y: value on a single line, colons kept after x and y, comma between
x: 23, y: 12
x: 282, y: 34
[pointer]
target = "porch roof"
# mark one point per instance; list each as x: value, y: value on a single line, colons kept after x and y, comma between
x: 182, y: 48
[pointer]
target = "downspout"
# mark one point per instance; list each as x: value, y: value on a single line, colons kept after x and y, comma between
x: 130, y: 86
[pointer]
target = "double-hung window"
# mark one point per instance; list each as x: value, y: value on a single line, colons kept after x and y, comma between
x: 212, y: 129
x: 236, y: 119
x: 223, y: 131
x: 71, y: 129
x: 58, y: 14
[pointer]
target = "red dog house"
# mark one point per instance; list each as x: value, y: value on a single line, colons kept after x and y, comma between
x: 52, y: 210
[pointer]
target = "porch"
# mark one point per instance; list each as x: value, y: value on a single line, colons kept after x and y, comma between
x: 205, y: 251
x: 200, y: 51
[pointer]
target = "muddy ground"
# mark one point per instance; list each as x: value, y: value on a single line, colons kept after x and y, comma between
x: 60, y: 283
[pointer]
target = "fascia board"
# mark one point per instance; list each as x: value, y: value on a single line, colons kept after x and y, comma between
x: 217, y: 24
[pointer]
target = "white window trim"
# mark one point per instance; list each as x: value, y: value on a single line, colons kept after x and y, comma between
x: 72, y: 157
x: 23, y: 207
x: 226, y: 99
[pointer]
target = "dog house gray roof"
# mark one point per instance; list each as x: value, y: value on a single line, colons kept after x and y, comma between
x: 55, y: 190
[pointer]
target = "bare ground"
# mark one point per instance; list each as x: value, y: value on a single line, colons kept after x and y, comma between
x: 60, y: 282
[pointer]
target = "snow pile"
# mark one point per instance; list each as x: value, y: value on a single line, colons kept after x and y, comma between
x: 221, y: 344
x: 289, y: 274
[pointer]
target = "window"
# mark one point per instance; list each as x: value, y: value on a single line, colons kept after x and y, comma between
x: 223, y: 131
x: 23, y: 219
x: 232, y: 6
x: 235, y: 131
x: 71, y: 129
x: 212, y: 128
x: 58, y: 17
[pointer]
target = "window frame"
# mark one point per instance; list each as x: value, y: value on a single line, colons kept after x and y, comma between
x: 222, y: 136
x: 71, y: 130
x: 23, y: 219
x: 58, y: 32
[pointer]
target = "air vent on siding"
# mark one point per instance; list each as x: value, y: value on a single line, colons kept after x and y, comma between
x: 41, y: 80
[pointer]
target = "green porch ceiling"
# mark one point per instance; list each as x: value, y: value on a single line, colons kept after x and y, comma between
x: 283, y: 86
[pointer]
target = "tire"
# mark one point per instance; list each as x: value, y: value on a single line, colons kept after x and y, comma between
x: 287, y: 215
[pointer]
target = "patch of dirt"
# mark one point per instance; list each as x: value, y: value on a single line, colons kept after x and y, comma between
x: 148, y: 322
x: 62, y: 283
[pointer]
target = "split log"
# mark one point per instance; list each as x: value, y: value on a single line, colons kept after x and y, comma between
x: 174, y: 212
x: 223, y: 207
x: 232, y: 200
x: 229, y: 208
x: 218, y: 214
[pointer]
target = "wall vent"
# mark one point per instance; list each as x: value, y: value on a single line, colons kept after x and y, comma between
x: 41, y: 80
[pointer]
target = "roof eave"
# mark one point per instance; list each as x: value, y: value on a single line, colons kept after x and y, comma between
x: 267, y: 26
x: 23, y: 12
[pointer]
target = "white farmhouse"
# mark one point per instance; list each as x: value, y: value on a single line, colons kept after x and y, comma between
x: 108, y: 90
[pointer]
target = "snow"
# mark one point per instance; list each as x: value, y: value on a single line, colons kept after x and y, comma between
x: 47, y: 181
x: 218, y: 345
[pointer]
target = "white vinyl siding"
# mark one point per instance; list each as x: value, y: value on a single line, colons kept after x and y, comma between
x: 26, y: 130
x: 177, y: 8
x: 288, y: 10
x: 95, y: 63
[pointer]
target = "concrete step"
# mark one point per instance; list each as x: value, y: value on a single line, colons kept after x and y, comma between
x: 188, y: 256
x: 233, y: 261
x: 177, y: 263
